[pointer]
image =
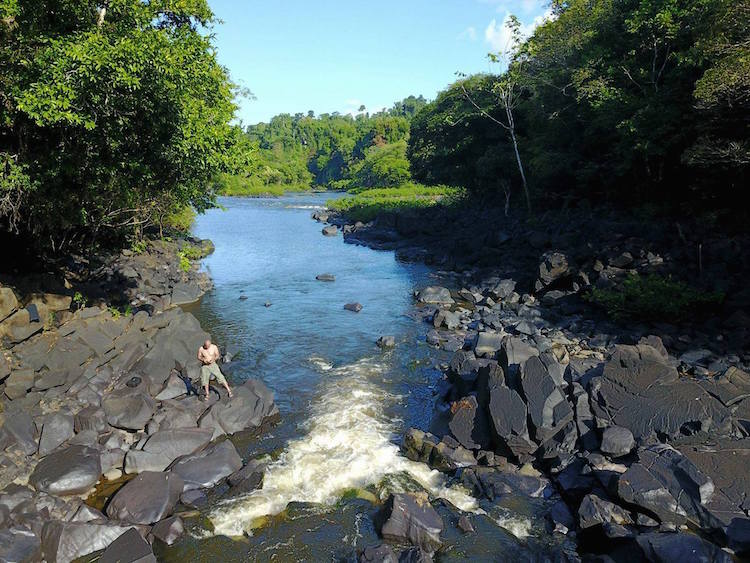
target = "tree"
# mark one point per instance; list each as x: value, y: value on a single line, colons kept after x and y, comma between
x: 108, y: 113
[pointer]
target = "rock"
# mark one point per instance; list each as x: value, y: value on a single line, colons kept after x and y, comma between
x: 640, y: 392
x: 382, y: 553
x: 595, y: 511
x: 194, y: 498
x: 148, y: 498
x: 168, y: 531
x: 63, y: 542
x: 435, y: 294
x: 90, y: 418
x: 414, y: 555
x: 446, y: 318
x: 617, y: 441
x: 513, y: 353
x: 57, y: 429
x: 206, y: 468
x: 509, y: 415
x: 248, y: 478
x: 386, y: 342
x: 549, y: 410
x: 165, y: 446
x: 427, y: 448
x: 18, y: 545
x: 130, y: 547
x: 74, y: 470
x: 354, y: 307
x: 465, y: 525
x: 330, y: 230
x: 18, y: 383
x: 680, y: 547
x: 173, y: 388
x: 20, y: 427
x: 251, y: 405
x: 127, y: 409
x: 8, y: 303
x: 552, y: 268
x: 325, y: 277
x: 738, y: 536
x: 411, y: 518
x: 503, y: 289
x: 185, y: 293
x: 488, y: 343
x: 468, y: 424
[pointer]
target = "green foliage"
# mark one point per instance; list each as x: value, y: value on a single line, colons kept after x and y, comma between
x: 79, y: 300
x: 368, y: 204
x: 139, y: 246
x: 384, y: 166
x: 115, y: 312
x: 252, y: 186
x: 654, y: 298
x: 109, y: 117
x: 180, y: 219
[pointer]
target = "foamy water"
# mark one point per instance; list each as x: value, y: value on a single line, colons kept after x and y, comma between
x: 347, y: 446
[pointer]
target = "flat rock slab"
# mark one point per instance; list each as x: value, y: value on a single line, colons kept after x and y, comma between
x: 148, y: 498
x: 411, y: 518
x: 251, y: 405
x: 639, y: 391
x: 130, y: 547
x: 20, y: 427
x: 186, y: 293
x: 19, y: 545
x: 682, y: 547
x: 56, y: 429
x: 63, y: 542
x: 209, y: 466
x: 127, y: 409
x: 168, y: 531
x: 435, y: 294
x: 165, y: 446
x: 71, y: 471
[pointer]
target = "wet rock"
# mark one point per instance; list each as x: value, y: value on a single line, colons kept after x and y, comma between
x: 57, y: 428
x: 595, y: 511
x: 130, y: 547
x: 169, y: 530
x: 127, y: 409
x: 468, y: 424
x: 251, y: 405
x: 617, y: 441
x: 353, y: 307
x: 640, y: 392
x: 411, y: 518
x: 465, y: 525
x: 165, y: 446
x: 71, y: 471
x: 446, y: 318
x: 148, y: 498
x: 414, y: 555
x: 194, y: 498
x: 680, y: 547
x: 382, y: 553
x: 427, y: 448
x: 435, y: 294
x: 330, y: 230
x: 325, y: 277
x: 497, y: 482
x: 62, y: 542
x: 19, y: 545
x: 386, y: 342
x: 206, y: 468
x: 249, y: 478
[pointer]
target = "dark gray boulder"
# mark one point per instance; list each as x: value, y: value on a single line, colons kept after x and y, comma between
x: 330, y: 230
x: 411, y: 518
x: 184, y: 293
x: 617, y: 441
x: 130, y: 547
x: 353, y: 307
x: 508, y: 416
x: 194, y: 498
x: 498, y: 482
x: 435, y: 294
x: 446, y: 318
x: 57, y: 428
x: 595, y: 511
x: 738, y: 536
x: 18, y: 545
x: 20, y: 427
x: 249, y: 478
x: 165, y: 446
x: 386, y: 342
x: 382, y: 553
x: 71, y: 471
x: 169, y: 530
x: 487, y: 344
x: 128, y: 409
x: 148, y: 498
x: 553, y: 267
x: 513, y: 353
x: 414, y: 555
x: 668, y: 548
x: 206, y: 468
x: 90, y: 418
x: 468, y: 424
x: 549, y: 410
x: 427, y: 448
x: 63, y: 542
x: 325, y: 277
x: 251, y: 405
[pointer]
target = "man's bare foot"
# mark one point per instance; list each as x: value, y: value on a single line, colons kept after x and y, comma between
x: 230, y: 394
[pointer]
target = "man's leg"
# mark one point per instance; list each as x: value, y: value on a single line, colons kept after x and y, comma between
x: 205, y: 377
x: 223, y: 380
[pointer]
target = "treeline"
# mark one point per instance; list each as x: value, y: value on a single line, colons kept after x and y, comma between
x: 113, y: 117
x: 333, y: 151
x: 632, y: 101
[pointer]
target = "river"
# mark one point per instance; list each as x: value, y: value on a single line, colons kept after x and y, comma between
x: 343, y: 402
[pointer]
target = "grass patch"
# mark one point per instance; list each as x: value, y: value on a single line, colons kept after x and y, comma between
x: 654, y: 298
x: 366, y: 204
x: 240, y: 186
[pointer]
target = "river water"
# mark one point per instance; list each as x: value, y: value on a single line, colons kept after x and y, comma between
x: 343, y: 402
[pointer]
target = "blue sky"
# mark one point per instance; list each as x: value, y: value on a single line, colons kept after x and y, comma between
x: 326, y: 55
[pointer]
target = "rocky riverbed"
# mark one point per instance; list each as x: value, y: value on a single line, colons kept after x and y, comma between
x: 94, y: 410
x: 633, y: 439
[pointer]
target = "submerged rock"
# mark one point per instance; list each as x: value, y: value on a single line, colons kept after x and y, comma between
x: 411, y: 518
x: 353, y: 307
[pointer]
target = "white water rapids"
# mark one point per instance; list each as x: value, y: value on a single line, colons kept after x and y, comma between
x: 347, y: 446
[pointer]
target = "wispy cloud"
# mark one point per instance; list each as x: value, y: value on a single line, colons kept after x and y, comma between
x: 499, y: 37
x: 468, y: 34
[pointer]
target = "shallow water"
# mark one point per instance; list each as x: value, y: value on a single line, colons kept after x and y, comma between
x: 343, y: 402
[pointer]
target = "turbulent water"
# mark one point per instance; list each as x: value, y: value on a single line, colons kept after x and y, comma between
x: 343, y: 402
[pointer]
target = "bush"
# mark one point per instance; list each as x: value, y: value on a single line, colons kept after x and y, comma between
x: 241, y: 186
x: 654, y: 298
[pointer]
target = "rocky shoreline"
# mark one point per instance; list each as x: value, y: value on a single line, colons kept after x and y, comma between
x: 634, y: 440
x: 92, y: 399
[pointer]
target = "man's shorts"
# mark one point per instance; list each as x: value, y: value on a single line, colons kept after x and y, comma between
x: 212, y: 371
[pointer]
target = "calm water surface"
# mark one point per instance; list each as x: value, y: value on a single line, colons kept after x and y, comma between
x: 343, y: 402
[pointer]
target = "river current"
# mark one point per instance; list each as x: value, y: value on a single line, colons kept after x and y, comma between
x: 343, y: 402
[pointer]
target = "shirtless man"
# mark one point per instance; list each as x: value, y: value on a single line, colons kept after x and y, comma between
x: 207, y: 355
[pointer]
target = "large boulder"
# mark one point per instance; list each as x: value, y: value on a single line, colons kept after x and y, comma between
x: 411, y: 518
x: 509, y: 415
x: 8, y: 303
x: 596, y: 511
x: 20, y: 427
x: 488, y: 343
x: 148, y: 498
x: 184, y: 293
x: 251, y: 405
x: 63, y: 542
x: 71, y: 471
x: 165, y: 446
x: 130, y: 547
x: 19, y: 545
x: 665, y: 548
x: 553, y: 267
x: 549, y: 410
x: 169, y: 530
x: 435, y: 294
x: 129, y: 409
x: 617, y: 441
x: 206, y: 468
x: 468, y: 424
x: 639, y: 391
x: 57, y: 428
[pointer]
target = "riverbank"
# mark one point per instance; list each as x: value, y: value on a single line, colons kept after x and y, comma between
x: 102, y: 449
x: 631, y: 434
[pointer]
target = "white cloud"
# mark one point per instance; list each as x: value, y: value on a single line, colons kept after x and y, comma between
x: 500, y: 38
x: 470, y: 34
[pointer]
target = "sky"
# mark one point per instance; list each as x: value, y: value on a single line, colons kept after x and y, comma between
x: 336, y: 55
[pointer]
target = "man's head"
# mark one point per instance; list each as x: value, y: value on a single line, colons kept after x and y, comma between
x: 207, y: 343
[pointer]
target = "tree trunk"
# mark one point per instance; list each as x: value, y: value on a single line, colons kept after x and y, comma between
x: 520, y: 169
